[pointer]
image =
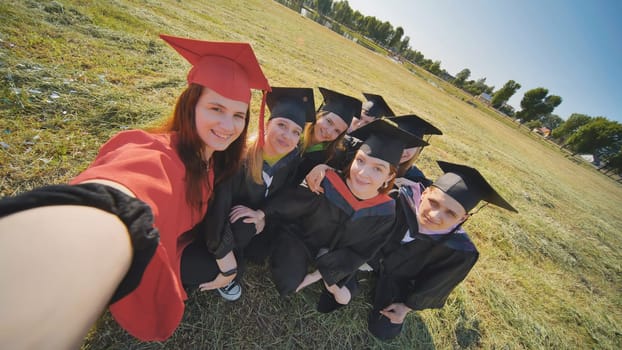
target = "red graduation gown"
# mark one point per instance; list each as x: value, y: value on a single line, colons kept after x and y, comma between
x: 148, y: 165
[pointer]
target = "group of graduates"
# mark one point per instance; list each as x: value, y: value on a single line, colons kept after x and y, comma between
x: 320, y: 193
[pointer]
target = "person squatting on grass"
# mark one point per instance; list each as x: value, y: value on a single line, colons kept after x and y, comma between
x: 428, y: 253
x: 268, y: 167
x: 115, y: 236
x: 338, y: 231
x: 373, y: 108
x: 407, y: 168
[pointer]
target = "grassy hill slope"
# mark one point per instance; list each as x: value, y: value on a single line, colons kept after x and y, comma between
x: 75, y: 72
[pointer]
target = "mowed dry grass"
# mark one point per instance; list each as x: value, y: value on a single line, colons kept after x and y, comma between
x: 548, y: 277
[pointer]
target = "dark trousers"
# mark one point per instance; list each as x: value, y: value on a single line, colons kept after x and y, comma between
x: 289, y: 262
x: 260, y: 246
x: 198, y: 264
x: 389, y: 290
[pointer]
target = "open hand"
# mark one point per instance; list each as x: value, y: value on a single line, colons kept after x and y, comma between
x: 218, y: 282
x: 315, y: 176
x: 396, y: 312
x: 250, y: 216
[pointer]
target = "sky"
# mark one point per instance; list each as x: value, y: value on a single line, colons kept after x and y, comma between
x: 573, y: 48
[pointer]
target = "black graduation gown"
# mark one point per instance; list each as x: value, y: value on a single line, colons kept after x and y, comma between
x: 240, y: 189
x: 219, y: 235
x: 308, y: 160
x: 421, y: 273
x: 335, y: 232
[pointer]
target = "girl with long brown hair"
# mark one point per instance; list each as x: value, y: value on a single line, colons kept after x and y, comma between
x: 116, y: 234
x: 268, y: 167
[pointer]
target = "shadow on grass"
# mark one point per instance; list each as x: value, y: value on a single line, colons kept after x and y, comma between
x: 261, y: 319
x: 468, y: 333
x: 415, y: 334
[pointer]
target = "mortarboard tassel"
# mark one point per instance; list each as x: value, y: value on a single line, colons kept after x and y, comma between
x: 262, y: 109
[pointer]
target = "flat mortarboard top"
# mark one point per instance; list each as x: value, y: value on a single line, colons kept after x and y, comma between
x: 379, y: 107
x: 346, y: 107
x: 295, y: 104
x: 416, y: 125
x: 231, y: 69
x: 467, y: 186
x: 383, y: 139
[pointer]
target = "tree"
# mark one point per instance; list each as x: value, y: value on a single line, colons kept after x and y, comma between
x: 357, y: 21
x: 404, y: 45
x: 385, y: 33
x: 507, y: 109
x: 461, y: 77
x: 324, y: 6
x: 476, y: 87
x: 533, y: 124
x: 418, y: 57
x: 396, y: 39
x: 370, y: 27
x: 434, y: 67
x: 614, y: 163
x: 551, y: 121
x: 600, y: 136
x: 505, y: 93
x: 570, y: 126
x: 342, y: 13
x: 537, y: 103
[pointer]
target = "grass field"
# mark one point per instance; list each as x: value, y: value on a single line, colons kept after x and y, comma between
x: 75, y: 72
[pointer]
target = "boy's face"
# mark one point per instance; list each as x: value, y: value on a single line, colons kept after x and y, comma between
x: 439, y: 211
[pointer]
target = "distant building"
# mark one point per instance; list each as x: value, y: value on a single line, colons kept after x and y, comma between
x: 544, y: 131
x: 484, y: 97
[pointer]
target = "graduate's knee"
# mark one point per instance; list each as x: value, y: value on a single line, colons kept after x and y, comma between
x: 243, y: 233
x: 343, y: 298
x: 286, y: 278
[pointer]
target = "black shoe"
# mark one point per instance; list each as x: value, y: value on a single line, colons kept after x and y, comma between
x: 327, y: 303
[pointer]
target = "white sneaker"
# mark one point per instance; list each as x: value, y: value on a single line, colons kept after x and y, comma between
x: 231, y: 292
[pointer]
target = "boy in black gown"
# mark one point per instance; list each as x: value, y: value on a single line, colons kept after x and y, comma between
x: 428, y: 253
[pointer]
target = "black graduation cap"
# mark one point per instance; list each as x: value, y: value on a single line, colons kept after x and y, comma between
x: 416, y: 125
x: 467, y: 186
x: 379, y: 107
x: 295, y: 104
x: 383, y: 139
x: 346, y: 107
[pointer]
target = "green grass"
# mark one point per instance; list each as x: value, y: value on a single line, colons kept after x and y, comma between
x: 549, y: 277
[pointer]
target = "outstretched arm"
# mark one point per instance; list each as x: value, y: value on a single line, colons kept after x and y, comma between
x: 60, y: 266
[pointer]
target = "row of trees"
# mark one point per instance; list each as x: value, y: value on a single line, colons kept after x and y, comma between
x: 594, y: 135
x: 380, y: 32
x: 580, y: 133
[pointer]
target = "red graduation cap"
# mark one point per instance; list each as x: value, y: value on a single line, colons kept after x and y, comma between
x: 231, y: 69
